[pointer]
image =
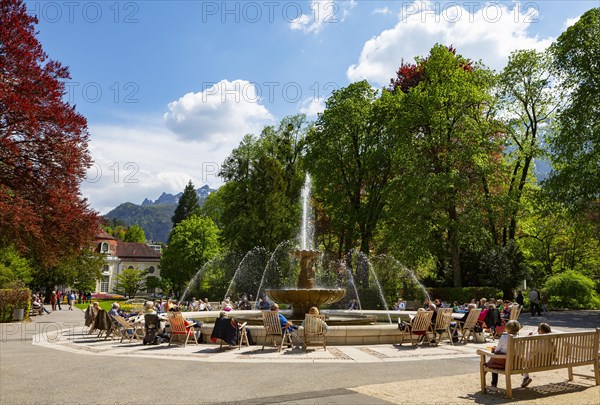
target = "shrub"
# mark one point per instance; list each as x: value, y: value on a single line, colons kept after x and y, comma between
x: 463, y: 294
x: 572, y: 290
x: 14, y: 298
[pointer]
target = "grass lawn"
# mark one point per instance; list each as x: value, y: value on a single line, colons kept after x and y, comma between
x: 105, y: 305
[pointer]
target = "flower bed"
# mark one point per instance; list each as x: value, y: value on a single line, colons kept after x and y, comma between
x: 106, y: 296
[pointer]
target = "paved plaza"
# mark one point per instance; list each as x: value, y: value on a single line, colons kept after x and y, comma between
x: 51, y: 360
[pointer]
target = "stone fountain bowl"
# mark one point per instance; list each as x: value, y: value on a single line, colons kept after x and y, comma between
x: 302, y: 299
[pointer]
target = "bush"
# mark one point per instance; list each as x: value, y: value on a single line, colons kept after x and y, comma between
x: 14, y: 298
x: 463, y: 294
x: 572, y: 290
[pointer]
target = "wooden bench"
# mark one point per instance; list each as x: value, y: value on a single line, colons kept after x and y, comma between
x: 551, y: 351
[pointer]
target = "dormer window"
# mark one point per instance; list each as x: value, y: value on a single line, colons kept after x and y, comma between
x: 104, y: 247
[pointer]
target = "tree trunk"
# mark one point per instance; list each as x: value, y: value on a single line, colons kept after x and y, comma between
x: 454, y: 247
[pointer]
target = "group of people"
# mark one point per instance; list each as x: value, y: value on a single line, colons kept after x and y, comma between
x: 538, y: 301
x: 293, y: 329
x: 198, y: 305
x: 512, y: 328
x: 56, y: 298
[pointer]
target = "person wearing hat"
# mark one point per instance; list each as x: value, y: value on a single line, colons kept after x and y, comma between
x: 512, y: 328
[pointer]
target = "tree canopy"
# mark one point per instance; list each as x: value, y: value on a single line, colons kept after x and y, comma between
x: 43, y: 148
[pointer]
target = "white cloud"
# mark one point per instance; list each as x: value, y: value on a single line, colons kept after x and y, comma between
x: 220, y: 114
x: 490, y: 34
x: 383, y: 10
x: 570, y: 22
x: 148, y: 157
x: 312, y: 106
x: 322, y: 12
x: 134, y: 163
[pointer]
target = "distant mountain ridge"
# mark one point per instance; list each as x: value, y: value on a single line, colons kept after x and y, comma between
x: 154, y: 217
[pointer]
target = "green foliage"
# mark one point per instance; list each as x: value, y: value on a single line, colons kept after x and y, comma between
x: 259, y: 204
x: 187, y: 206
x: 134, y: 234
x: 555, y: 240
x: 81, y: 271
x: 504, y: 267
x: 153, y: 282
x: 349, y: 156
x: 192, y: 243
x: 447, y: 151
x: 14, y: 267
x: 576, y: 146
x: 572, y: 290
x: 14, y: 298
x: 464, y: 294
x: 528, y: 98
x: 130, y: 281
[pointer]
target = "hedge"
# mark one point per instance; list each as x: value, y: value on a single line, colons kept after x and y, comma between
x: 13, y: 299
x: 463, y: 294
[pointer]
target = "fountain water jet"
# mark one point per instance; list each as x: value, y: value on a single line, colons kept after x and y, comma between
x: 306, y: 295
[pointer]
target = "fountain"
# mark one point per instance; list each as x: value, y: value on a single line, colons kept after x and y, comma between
x: 306, y: 295
x: 345, y: 326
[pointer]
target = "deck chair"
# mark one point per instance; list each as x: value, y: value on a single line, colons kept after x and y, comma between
x: 315, y: 330
x: 230, y: 331
x: 103, y: 323
x: 467, y: 327
x: 179, y: 328
x: 515, y: 311
x: 442, y: 324
x: 274, y: 330
x: 127, y: 329
x: 419, y: 326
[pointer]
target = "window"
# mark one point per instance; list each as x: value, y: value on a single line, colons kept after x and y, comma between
x: 104, y: 284
x: 105, y: 269
x: 130, y: 267
x: 104, y: 247
x: 151, y: 270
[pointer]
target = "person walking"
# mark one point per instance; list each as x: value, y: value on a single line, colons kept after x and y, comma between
x: 53, y: 300
x: 58, y: 299
x: 71, y: 299
x: 544, y: 298
x: 534, y: 302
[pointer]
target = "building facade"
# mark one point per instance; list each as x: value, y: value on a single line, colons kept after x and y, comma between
x: 124, y: 255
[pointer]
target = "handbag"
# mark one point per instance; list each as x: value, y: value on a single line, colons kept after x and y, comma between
x: 495, y: 362
x: 478, y: 337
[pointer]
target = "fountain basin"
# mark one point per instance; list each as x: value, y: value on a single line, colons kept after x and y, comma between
x: 302, y: 299
x: 337, y: 334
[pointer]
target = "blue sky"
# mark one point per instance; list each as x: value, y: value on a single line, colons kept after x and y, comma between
x: 170, y: 87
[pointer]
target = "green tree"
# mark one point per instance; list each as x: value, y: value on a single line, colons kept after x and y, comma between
x: 503, y: 267
x: 555, y: 240
x: 134, y: 234
x: 80, y: 271
x: 258, y: 204
x: 448, y: 144
x: 14, y: 267
x: 349, y: 156
x: 194, y: 241
x: 528, y: 101
x: 575, y: 147
x: 130, y: 281
x: 187, y: 206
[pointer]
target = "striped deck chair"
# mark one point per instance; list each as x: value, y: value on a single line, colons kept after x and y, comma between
x: 179, y: 328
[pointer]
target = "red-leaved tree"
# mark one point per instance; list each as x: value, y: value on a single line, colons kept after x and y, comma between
x: 43, y: 148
